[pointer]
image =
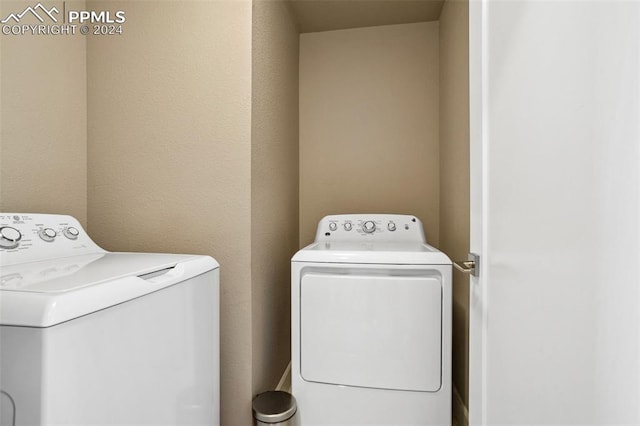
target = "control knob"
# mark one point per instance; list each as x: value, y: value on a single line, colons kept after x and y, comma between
x: 71, y: 233
x: 333, y: 226
x: 391, y: 226
x: 47, y: 234
x: 347, y: 226
x: 9, y: 237
x: 369, y: 226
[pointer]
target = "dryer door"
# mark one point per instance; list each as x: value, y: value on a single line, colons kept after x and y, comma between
x: 374, y: 331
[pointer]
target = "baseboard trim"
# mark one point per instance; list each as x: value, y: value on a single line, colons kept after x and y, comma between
x: 460, y: 412
x: 285, y: 381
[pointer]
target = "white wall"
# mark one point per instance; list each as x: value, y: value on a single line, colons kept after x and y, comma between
x: 562, y: 242
x: 369, y: 124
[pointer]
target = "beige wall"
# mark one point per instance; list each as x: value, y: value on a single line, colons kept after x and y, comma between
x: 169, y: 112
x: 369, y: 124
x: 274, y: 186
x: 43, y: 121
x: 192, y: 147
x: 454, y: 167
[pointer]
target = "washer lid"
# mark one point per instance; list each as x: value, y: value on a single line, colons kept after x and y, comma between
x: 46, y: 293
x: 385, y: 252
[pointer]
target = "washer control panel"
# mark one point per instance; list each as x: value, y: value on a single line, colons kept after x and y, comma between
x: 29, y: 237
x: 383, y: 227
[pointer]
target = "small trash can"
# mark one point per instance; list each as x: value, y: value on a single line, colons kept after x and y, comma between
x: 275, y: 408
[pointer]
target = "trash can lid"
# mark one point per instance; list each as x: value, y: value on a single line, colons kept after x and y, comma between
x: 274, y: 406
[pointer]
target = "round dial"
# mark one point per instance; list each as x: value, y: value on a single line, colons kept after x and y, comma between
x: 9, y: 237
x: 347, y: 226
x: 369, y: 226
x: 391, y: 226
x: 71, y: 233
x: 333, y: 226
x: 47, y: 234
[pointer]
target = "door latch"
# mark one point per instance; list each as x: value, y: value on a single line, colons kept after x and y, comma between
x: 471, y: 266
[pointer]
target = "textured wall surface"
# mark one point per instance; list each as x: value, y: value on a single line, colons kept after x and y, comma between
x: 369, y: 124
x: 191, y: 118
x: 274, y: 187
x: 454, y: 171
x: 169, y: 112
x: 43, y: 121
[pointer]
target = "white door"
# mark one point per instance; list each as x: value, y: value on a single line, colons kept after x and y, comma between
x: 555, y: 137
x: 385, y: 315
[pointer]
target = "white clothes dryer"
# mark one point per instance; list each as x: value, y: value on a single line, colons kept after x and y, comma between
x: 371, y: 324
x: 89, y: 337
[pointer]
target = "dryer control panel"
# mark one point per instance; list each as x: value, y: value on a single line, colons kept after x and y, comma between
x: 29, y: 237
x: 373, y: 227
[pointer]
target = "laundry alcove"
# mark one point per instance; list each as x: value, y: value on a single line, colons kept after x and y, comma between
x: 384, y: 124
x: 211, y: 127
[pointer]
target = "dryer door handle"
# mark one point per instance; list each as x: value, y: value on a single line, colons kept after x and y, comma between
x: 471, y: 266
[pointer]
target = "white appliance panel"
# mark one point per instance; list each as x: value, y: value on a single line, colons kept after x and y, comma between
x: 372, y: 251
x: 43, y: 305
x: 352, y: 326
x: 149, y: 361
x: 371, y: 325
x: 75, y: 272
x: 353, y: 406
x: 29, y: 243
x: 89, y: 337
x: 370, y: 227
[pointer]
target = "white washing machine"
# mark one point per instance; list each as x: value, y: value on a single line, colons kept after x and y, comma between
x: 89, y: 337
x: 371, y: 324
